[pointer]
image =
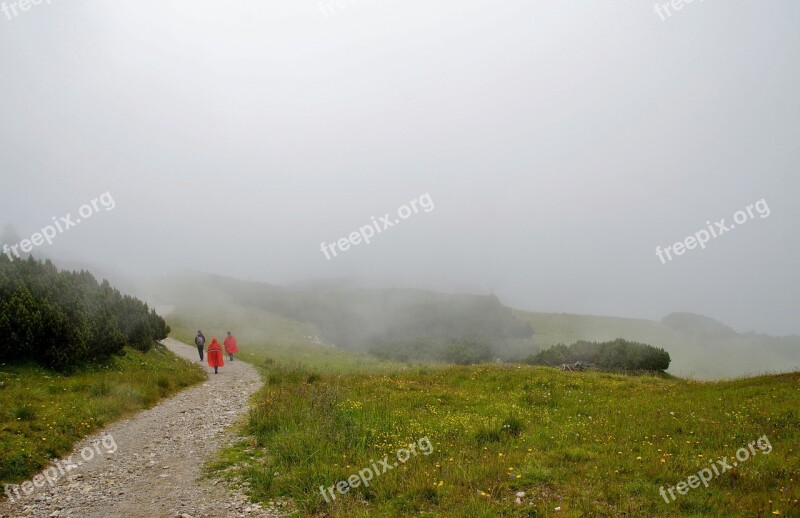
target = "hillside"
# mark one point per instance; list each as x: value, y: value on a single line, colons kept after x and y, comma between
x: 358, y: 318
x: 494, y: 440
x: 363, y: 319
x: 699, y: 346
x: 266, y: 337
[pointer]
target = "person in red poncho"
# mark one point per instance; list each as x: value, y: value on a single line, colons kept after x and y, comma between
x: 215, y: 358
x: 230, y: 345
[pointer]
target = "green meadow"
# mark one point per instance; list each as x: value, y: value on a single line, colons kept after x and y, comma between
x: 44, y: 412
x: 587, y: 444
x: 570, y: 444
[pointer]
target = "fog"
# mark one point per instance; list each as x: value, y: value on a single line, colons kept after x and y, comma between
x: 550, y: 147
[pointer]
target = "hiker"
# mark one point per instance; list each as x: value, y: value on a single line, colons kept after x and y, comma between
x: 200, y: 342
x: 215, y: 357
x: 230, y: 345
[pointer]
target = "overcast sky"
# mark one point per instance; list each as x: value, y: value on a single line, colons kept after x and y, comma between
x: 560, y: 143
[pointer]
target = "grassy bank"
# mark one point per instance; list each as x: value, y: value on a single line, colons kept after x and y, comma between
x: 586, y: 443
x: 43, y: 412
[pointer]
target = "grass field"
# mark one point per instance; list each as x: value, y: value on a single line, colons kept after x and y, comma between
x: 586, y: 443
x: 571, y: 444
x: 43, y: 412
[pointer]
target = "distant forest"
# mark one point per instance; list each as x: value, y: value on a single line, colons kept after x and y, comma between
x: 394, y: 323
x: 360, y: 319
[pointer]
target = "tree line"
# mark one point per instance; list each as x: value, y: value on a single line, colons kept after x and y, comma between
x: 62, y: 319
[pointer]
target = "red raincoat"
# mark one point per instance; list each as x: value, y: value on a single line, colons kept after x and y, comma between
x: 230, y: 345
x: 215, y: 354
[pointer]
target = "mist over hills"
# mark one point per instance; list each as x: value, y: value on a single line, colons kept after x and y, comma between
x: 698, y: 326
x: 364, y: 314
x: 368, y: 315
x: 358, y: 316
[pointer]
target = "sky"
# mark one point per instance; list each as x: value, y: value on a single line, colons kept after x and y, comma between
x: 555, y: 145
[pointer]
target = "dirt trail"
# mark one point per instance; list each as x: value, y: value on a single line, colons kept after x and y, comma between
x: 158, y: 461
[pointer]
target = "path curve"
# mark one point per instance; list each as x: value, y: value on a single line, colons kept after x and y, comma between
x: 157, y: 467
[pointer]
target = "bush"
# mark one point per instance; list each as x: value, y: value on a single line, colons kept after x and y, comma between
x: 617, y: 355
x: 467, y: 351
x: 62, y: 319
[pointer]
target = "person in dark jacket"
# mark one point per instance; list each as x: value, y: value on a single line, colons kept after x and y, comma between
x: 200, y: 342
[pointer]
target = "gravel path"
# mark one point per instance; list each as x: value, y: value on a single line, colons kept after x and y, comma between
x: 150, y: 466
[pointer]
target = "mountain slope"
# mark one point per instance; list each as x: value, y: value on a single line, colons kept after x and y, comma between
x: 351, y: 316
